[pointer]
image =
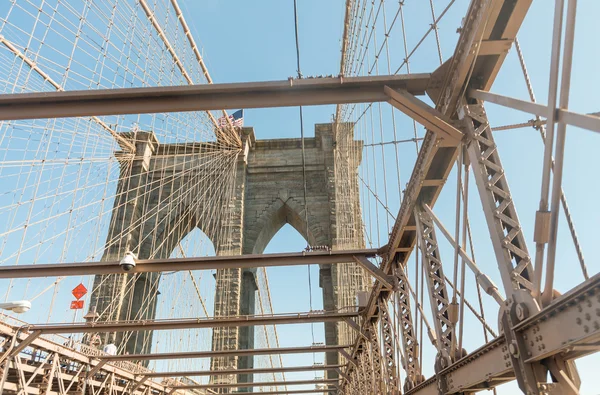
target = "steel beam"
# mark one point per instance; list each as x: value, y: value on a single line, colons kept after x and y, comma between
x: 222, y: 353
x: 483, y: 280
x: 486, y: 21
x: 243, y: 371
x: 488, y: 31
x: 427, y: 116
x: 292, y: 92
x: 376, y: 272
x: 490, y: 365
x: 48, y: 347
x: 514, y: 262
x: 189, y: 323
x: 584, y: 121
x: 138, y: 384
x: 24, y: 343
x: 178, y: 264
x: 255, y: 384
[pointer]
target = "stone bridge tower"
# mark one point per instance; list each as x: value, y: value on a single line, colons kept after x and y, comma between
x: 268, y: 193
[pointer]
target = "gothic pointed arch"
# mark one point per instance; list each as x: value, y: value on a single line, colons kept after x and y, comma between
x: 283, y: 210
x: 162, y: 235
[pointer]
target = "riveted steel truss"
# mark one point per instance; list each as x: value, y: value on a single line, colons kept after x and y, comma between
x: 390, y: 377
x: 410, y: 344
x: 443, y: 311
x: 50, y: 367
x: 509, y: 244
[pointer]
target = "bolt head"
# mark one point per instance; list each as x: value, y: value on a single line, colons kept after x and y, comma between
x: 521, y: 311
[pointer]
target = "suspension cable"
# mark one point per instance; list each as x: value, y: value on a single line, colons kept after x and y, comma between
x: 312, y: 328
x: 542, y: 130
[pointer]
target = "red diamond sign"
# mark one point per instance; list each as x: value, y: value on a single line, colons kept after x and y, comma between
x: 77, y: 305
x: 79, y: 291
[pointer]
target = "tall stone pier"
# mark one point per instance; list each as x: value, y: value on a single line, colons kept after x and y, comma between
x: 268, y: 192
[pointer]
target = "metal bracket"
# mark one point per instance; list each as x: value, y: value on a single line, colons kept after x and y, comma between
x: 376, y: 272
x: 138, y: 384
x: 348, y: 357
x: 427, y: 116
x: 96, y: 368
x: 24, y: 343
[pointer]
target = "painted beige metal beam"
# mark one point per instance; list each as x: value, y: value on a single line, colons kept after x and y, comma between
x: 24, y: 343
x: 584, y: 121
x: 244, y: 371
x: 189, y: 323
x: 486, y: 20
x: 178, y: 264
x: 39, y: 343
x: 376, y: 272
x: 256, y: 384
x: 490, y: 365
x: 427, y: 116
x: 223, y: 353
x: 292, y: 92
x: 96, y: 368
x: 139, y: 383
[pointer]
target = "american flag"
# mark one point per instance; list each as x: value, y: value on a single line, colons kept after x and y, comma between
x: 237, y: 118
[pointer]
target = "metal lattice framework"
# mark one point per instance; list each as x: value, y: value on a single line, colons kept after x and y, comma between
x: 81, y: 119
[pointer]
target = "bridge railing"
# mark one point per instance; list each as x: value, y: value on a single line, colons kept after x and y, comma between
x: 77, y: 346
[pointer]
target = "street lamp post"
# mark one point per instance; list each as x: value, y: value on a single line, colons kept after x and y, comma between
x: 19, y: 306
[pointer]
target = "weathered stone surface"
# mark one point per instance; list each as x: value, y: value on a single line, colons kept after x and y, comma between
x: 268, y: 193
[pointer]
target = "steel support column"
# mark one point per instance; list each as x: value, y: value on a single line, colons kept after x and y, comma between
x: 410, y: 344
x: 445, y: 313
x: 388, y: 337
x: 514, y: 262
x: 507, y: 237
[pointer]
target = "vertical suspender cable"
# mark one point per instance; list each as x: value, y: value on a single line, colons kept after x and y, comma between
x: 549, y: 141
x: 560, y: 150
x: 303, y: 163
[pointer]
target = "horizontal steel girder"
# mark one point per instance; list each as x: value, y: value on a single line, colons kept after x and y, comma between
x: 584, y: 121
x: 178, y: 264
x: 222, y: 353
x: 570, y: 326
x: 292, y: 92
x: 243, y: 371
x: 191, y: 323
x: 265, y: 384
